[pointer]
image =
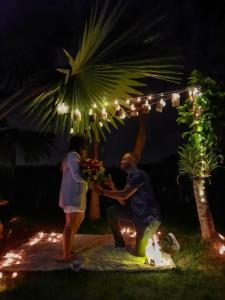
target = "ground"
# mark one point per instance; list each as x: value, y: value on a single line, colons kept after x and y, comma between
x: 199, y: 275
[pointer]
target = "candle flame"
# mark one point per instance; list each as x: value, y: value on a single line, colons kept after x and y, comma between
x: 222, y: 250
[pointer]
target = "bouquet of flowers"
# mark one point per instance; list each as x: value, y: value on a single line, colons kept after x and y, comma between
x: 93, y: 171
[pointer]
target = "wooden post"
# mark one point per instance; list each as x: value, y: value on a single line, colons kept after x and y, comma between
x: 140, y: 138
x: 94, y: 208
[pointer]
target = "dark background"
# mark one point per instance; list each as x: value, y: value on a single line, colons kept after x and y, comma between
x: 32, y: 35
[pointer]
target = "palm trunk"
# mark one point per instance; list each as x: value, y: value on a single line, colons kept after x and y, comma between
x: 94, y: 209
x: 204, y: 213
x: 140, y: 138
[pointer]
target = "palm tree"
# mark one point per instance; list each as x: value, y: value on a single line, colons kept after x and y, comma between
x: 199, y: 156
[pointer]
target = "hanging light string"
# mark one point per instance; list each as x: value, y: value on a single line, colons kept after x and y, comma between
x: 157, y: 96
x: 131, y: 107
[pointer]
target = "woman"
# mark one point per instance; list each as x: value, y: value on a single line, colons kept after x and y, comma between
x: 73, y: 191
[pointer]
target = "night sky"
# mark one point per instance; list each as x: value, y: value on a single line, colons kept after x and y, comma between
x: 33, y: 34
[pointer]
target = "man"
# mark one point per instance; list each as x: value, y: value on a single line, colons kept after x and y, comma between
x: 137, y: 204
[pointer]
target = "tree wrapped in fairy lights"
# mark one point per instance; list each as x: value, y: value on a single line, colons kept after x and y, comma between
x: 199, y: 155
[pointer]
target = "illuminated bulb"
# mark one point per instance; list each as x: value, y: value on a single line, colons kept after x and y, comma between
x: 116, y: 102
x: 53, y: 234
x: 175, y: 99
x: 18, y: 263
x: 196, y: 92
x: 100, y: 124
x: 54, y: 240
x: 162, y: 102
x: 78, y: 114
x: 118, y: 107
x: 71, y: 130
x: 149, y: 97
x: 221, y: 236
x: 222, y: 250
x: 128, y: 101
x: 158, y: 107
x: 14, y: 274
x: 132, y: 107
x: 106, y: 103
x: 104, y: 113
x: 95, y: 105
x: 90, y: 112
x: 139, y: 99
x: 62, y: 108
x: 1, y: 275
x: 34, y: 241
x: 41, y: 234
x: 123, y: 116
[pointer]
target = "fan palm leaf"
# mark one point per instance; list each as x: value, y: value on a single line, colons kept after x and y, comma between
x: 94, y: 78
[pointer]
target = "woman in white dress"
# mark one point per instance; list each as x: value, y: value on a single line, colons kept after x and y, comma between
x: 73, y: 191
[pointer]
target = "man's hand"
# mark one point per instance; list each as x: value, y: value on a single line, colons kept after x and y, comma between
x: 109, y: 183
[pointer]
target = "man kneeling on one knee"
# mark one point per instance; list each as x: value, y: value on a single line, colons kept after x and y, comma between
x: 136, y: 203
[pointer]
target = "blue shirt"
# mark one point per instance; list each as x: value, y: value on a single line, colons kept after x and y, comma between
x: 143, y: 204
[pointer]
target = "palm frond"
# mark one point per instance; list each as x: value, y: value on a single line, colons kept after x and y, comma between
x: 94, y: 79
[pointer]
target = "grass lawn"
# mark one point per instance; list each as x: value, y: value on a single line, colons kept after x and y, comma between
x: 199, y: 275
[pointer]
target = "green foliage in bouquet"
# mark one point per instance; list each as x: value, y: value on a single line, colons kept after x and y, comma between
x: 93, y: 171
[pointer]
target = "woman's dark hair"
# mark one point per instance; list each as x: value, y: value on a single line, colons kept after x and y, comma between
x: 77, y: 142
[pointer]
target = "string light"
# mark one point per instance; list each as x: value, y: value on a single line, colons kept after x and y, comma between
x: 104, y: 114
x: 132, y: 107
x: 14, y: 274
x: 138, y: 99
x: 62, y: 108
x: 162, y: 102
x: 77, y: 115
x: 137, y: 105
x: 123, y: 115
x: 175, y: 100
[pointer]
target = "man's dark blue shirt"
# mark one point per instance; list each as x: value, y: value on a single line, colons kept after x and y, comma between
x: 144, y: 207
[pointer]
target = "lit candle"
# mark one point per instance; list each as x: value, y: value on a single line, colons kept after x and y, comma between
x: 14, y: 274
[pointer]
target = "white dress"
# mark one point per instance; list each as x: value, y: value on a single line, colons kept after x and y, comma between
x: 73, y: 187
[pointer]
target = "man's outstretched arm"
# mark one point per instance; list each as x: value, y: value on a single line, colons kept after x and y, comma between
x: 120, y: 195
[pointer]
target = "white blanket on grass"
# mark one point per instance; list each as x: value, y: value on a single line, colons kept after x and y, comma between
x: 97, y: 253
